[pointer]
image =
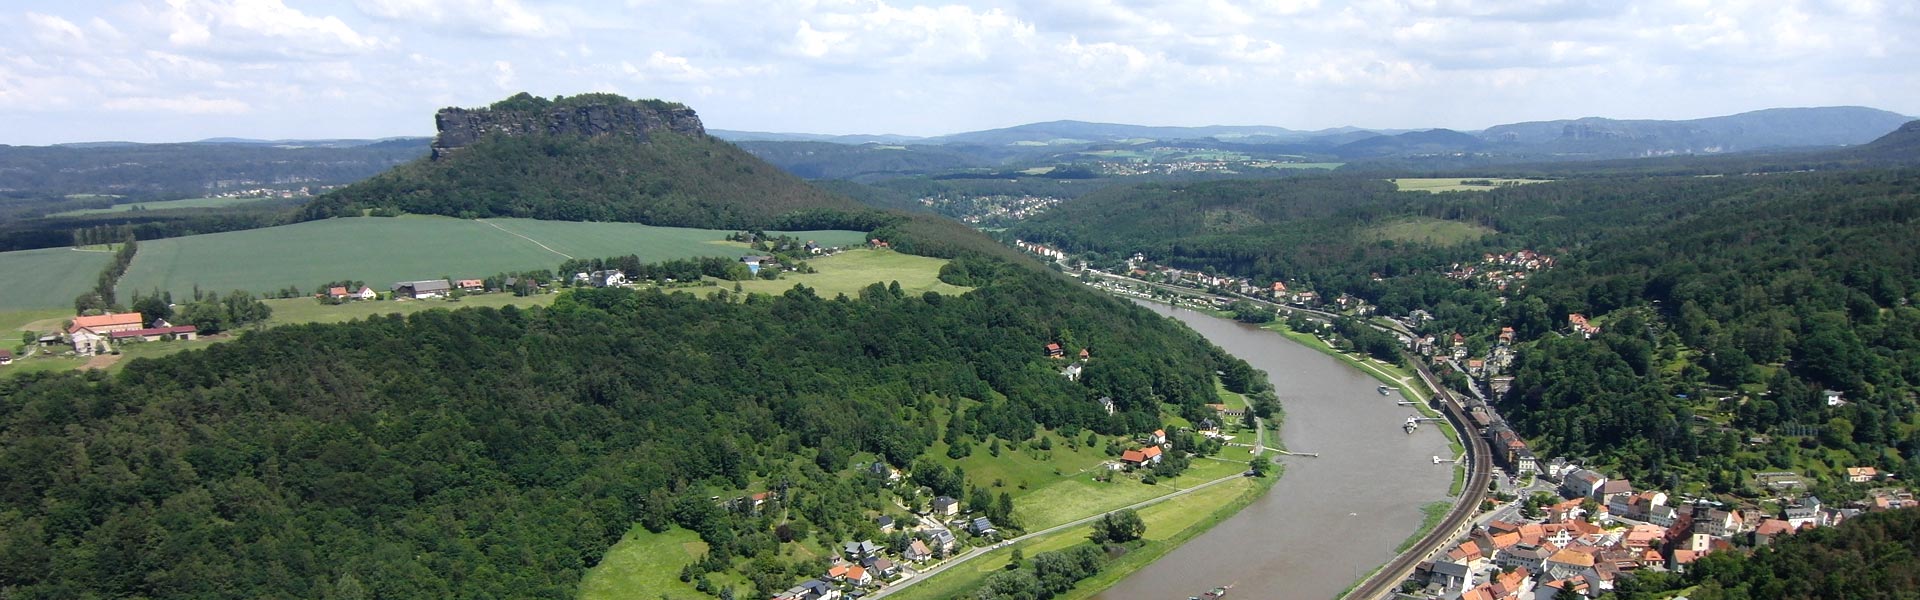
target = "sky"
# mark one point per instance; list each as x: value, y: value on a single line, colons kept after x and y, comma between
x: 182, y: 70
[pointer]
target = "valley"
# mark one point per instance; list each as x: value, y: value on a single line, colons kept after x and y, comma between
x: 579, y: 347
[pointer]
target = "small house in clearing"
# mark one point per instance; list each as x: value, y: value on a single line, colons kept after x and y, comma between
x: 1139, y: 458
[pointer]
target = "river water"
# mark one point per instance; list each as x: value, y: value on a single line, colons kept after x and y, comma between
x: 1329, y: 520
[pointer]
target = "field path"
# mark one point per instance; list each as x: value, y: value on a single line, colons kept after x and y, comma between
x: 535, y: 242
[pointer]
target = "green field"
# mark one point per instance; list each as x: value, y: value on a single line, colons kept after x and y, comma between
x: 849, y: 271
x: 47, y: 278
x: 1455, y: 184
x: 163, y: 205
x: 1428, y: 230
x: 380, y: 251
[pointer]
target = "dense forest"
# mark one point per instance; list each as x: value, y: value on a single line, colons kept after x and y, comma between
x: 1729, y: 303
x: 498, y: 453
x: 671, y: 179
x: 1869, y: 557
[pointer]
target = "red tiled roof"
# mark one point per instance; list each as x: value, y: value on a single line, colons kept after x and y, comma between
x: 106, y: 320
x: 1150, y: 451
x: 1133, y: 456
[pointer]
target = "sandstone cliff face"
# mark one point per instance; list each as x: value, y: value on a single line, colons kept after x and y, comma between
x: 460, y: 127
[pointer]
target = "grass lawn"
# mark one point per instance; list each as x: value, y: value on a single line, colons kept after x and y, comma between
x: 847, y: 272
x: 163, y: 205
x: 1455, y: 184
x: 12, y: 322
x: 41, y: 364
x: 383, y: 250
x: 47, y: 278
x: 645, y: 565
x: 1427, y: 230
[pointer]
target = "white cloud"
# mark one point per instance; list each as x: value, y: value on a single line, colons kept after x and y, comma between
x: 935, y: 37
x: 490, y: 17
x: 503, y: 75
x: 253, y: 27
x: 51, y: 29
x: 185, y: 104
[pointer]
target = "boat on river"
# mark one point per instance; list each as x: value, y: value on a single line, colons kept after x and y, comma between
x: 1213, y: 594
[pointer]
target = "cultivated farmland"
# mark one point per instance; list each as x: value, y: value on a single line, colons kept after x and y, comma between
x: 1413, y: 184
x: 383, y: 250
x: 48, y: 278
x: 163, y: 205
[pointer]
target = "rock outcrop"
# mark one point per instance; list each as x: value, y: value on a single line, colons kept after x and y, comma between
x: 588, y: 116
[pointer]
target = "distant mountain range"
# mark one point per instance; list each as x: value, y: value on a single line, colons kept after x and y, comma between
x: 1584, y: 138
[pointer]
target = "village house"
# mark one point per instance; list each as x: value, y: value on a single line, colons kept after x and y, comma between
x: 365, y: 293
x: 861, y: 550
x: 470, y: 285
x: 980, y: 526
x: 942, y: 541
x: 1582, y: 483
x: 6, y: 356
x: 1862, y: 474
x: 1142, y: 457
x: 881, y: 567
x: 1054, y: 351
x: 945, y: 506
x: 917, y: 551
x: 1107, y: 404
x: 338, y: 292
x: 428, y: 288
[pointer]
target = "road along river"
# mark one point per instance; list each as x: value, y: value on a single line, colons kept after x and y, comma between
x: 1330, y: 520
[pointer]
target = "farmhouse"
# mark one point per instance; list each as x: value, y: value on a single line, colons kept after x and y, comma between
x: 470, y: 285
x: 365, y: 293
x: 430, y: 288
x: 6, y: 356
x: 338, y: 292
x: 89, y: 334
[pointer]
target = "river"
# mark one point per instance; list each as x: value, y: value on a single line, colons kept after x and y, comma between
x: 1329, y: 520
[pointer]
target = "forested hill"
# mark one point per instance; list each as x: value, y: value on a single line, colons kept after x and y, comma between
x: 1727, y: 304
x: 595, y: 157
x: 1870, y: 557
x: 486, y: 453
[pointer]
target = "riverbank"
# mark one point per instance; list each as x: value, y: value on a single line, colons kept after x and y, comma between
x: 1332, y: 518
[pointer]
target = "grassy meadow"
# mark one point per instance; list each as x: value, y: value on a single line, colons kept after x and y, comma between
x: 49, y: 277
x: 1456, y: 184
x: 163, y: 205
x: 1428, y: 230
x: 383, y: 250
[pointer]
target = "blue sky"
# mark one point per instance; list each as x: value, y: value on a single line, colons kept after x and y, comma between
x: 176, y: 70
